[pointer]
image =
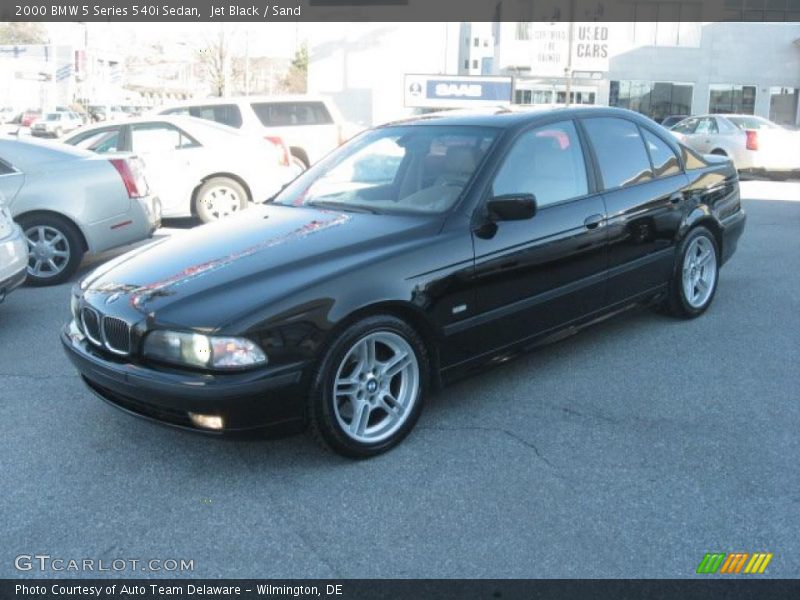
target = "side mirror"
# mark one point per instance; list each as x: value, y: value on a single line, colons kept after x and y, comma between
x: 512, y: 207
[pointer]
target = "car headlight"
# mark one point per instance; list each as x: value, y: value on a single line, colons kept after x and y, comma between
x: 197, y: 350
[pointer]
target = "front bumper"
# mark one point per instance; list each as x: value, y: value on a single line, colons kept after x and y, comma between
x: 250, y: 400
x: 732, y: 229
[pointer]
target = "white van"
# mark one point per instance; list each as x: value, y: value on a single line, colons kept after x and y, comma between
x: 309, y: 126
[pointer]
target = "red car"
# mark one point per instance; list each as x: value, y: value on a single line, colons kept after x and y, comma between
x: 29, y: 117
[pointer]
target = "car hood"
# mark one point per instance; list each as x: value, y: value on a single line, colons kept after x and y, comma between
x: 214, y: 272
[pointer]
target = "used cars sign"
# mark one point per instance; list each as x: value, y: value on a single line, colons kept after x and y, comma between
x: 441, y: 91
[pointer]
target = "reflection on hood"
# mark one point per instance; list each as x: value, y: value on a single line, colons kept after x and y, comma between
x: 141, y: 295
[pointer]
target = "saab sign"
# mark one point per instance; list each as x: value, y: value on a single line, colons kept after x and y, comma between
x: 442, y: 91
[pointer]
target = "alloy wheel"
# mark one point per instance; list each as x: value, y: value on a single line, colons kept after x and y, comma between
x: 376, y: 386
x: 699, y: 271
x: 48, y: 251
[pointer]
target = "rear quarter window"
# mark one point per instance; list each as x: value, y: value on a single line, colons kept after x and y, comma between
x: 286, y: 114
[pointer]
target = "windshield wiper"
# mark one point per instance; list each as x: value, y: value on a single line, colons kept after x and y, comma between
x: 343, y: 206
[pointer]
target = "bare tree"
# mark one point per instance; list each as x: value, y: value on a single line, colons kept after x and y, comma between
x: 220, y: 67
x: 22, y: 33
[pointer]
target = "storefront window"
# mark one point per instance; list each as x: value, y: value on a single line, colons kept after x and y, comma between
x: 783, y: 105
x: 735, y: 99
x: 654, y: 99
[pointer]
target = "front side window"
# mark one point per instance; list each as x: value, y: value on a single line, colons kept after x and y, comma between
x: 620, y: 151
x: 707, y: 125
x: 546, y: 162
x: 227, y: 114
x: 686, y: 126
x: 411, y: 169
x: 665, y: 161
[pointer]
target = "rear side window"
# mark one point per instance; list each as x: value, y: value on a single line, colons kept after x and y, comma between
x: 546, y: 162
x: 665, y: 161
x: 284, y: 114
x: 227, y: 114
x: 620, y: 151
x: 157, y: 137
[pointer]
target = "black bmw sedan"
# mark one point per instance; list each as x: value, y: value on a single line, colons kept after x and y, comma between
x: 408, y: 257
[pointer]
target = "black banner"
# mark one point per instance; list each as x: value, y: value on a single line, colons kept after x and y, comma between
x: 396, y: 10
x: 397, y: 589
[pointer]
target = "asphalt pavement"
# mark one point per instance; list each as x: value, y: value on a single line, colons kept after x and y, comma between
x: 628, y: 450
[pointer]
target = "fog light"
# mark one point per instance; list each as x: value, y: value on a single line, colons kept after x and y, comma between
x: 206, y: 421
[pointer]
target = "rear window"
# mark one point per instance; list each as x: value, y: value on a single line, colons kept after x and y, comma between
x: 285, y: 114
x: 227, y: 114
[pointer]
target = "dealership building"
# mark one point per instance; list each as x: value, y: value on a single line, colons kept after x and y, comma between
x: 378, y: 72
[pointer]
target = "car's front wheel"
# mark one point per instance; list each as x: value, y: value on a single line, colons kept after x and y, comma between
x: 219, y: 197
x: 368, y: 391
x: 55, y: 248
x: 694, y: 281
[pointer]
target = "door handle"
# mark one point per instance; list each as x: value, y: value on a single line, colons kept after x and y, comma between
x: 676, y: 197
x: 593, y: 221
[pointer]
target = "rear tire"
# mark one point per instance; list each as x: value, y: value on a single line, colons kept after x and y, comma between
x: 55, y: 248
x: 219, y: 197
x: 368, y: 390
x: 696, y: 274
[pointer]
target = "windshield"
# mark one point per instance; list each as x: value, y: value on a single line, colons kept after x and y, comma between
x: 752, y: 123
x: 417, y: 169
x: 52, y: 117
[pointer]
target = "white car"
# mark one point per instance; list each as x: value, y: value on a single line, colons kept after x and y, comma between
x: 70, y: 202
x: 195, y: 167
x: 13, y: 249
x: 310, y: 126
x: 56, y: 124
x: 754, y: 144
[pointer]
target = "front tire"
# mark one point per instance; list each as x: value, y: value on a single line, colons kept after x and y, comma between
x: 369, y: 388
x: 55, y: 248
x: 694, y: 281
x: 219, y: 197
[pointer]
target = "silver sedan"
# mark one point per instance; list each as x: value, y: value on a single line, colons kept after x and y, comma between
x: 70, y: 202
x: 754, y: 144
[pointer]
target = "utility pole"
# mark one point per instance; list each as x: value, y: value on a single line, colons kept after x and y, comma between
x: 570, y: 40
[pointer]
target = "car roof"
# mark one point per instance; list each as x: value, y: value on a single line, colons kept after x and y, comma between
x: 512, y: 117
x: 245, y: 99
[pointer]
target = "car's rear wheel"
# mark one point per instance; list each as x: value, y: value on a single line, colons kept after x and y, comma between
x: 55, y: 248
x: 219, y: 197
x: 368, y: 391
x: 694, y: 281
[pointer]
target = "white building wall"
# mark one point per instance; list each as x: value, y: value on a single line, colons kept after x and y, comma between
x: 362, y: 65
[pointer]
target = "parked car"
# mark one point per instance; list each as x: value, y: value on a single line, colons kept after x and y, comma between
x: 29, y: 117
x: 754, y: 144
x: 7, y: 114
x: 310, y: 126
x: 56, y: 124
x: 196, y: 167
x: 671, y: 120
x: 13, y: 249
x: 70, y: 202
x: 342, y: 302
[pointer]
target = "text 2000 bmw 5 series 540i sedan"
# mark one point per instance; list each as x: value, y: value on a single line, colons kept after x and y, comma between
x: 407, y: 257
